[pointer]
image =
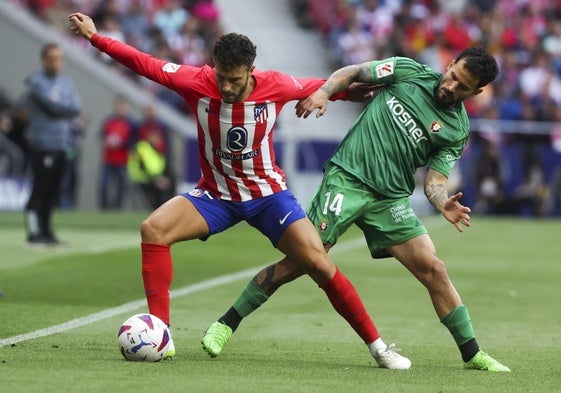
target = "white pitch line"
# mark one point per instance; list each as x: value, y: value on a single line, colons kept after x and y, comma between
x: 129, y: 307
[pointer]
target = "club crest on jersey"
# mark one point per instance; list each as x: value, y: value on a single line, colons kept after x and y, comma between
x: 170, y: 67
x: 384, y: 69
x: 261, y: 113
x: 435, y: 126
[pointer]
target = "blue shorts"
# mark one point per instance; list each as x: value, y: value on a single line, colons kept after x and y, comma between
x: 271, y: 215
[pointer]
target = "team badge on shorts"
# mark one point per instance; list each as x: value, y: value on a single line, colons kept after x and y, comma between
x: 197, y: 193
x: 323, y: 226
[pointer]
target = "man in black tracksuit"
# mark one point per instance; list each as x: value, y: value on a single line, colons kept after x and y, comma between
x: 52, y: 103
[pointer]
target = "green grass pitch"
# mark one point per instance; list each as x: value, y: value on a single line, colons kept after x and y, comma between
x: 508, y: 272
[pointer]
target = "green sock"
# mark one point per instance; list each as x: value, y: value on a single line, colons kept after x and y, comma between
x: 458, y: 322
x: 250, y: 299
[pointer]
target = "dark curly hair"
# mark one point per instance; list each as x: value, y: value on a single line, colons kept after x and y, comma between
x: 233, y: 50
x: 480, y: 64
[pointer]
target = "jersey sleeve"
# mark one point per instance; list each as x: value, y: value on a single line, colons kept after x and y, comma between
x: 445, y: 159
x: 158, y: 70
x: 312, y: 84
x: 394, y: 69
x: 290, y: 88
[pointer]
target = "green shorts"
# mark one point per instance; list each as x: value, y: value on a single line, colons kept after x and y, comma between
x: 343, y: 200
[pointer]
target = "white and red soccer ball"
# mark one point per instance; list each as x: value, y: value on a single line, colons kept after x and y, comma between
x: 144, y: 337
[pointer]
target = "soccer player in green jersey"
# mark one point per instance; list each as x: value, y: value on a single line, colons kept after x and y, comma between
x: 416, y: 119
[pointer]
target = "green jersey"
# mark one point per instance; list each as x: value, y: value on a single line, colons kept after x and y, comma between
x: 402, y: 129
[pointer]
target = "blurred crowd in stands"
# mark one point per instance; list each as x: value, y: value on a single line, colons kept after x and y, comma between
x: 512, y: 164
x: 524, y: 35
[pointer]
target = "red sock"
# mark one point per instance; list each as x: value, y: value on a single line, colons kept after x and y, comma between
x: 157, y: 273
x: 345, y: 300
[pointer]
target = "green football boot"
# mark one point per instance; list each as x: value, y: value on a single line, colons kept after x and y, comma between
x: 216, y: 336
x: 482, y: 361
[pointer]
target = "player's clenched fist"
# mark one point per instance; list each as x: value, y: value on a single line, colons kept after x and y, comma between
x: 82, y: 25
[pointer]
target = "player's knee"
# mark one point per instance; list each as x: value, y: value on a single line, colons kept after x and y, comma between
x: 439, y: 270
x: 317, y: 264
x: 434, y: 273
x: 150, y: 231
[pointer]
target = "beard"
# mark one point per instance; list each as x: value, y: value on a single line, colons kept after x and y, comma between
x: 444, y: 97
x: 235, y: 96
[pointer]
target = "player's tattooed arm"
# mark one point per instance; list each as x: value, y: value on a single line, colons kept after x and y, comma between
x: 338, y: 81
x: 344, y: 77
x: 450, y: 207
x: 436, y: 189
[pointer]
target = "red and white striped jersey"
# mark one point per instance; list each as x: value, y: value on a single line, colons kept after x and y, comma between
x: 235, y: 141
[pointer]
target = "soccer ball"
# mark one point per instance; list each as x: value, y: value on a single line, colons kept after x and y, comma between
x: 144, y: 337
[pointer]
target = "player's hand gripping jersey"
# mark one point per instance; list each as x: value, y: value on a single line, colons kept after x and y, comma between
x: 402, y: 129
x: 235, y: 140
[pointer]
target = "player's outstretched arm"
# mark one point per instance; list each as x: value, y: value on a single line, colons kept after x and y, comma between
x: 338, y: 81
x: 437, y: 193
x: 82, y: 25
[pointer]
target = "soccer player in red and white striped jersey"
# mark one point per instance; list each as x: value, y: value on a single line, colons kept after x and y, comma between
x: 236, y: 107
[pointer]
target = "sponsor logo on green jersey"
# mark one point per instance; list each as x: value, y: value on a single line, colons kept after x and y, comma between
x: 404, y: 118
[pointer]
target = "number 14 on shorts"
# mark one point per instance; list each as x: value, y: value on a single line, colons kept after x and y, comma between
x: 333, y: 205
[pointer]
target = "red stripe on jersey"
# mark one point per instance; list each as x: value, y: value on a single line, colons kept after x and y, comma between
x: 260, y: 134
x: 231, y: 176
x: 239, y: 118
x: 212, y: 177
x: 262, y: 167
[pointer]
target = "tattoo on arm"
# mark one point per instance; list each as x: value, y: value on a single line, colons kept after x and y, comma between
x: 344, y: 77
x: 364, y: 74
x: 436, y: 194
